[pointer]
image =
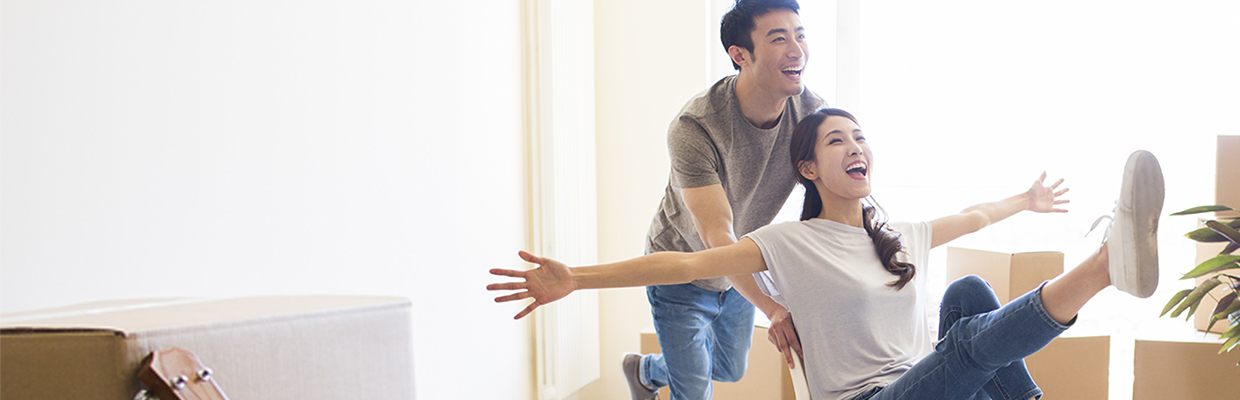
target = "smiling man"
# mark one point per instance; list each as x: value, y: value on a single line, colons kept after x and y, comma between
x: 730, y: 175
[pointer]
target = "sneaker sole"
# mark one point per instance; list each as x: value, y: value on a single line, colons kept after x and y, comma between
x: 1137, y: 246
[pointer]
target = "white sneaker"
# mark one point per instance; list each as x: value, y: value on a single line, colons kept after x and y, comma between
x: 1132, y: 240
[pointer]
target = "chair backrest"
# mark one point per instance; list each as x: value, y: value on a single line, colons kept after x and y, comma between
x: 800, y: 385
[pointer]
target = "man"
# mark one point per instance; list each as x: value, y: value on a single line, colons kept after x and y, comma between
x: 730, y: 175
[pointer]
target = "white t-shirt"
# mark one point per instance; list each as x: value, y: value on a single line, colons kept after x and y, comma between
x: 856, y: 332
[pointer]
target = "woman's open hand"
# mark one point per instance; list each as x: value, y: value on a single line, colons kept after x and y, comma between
x: 1043, y: 198
x: 551, y: 281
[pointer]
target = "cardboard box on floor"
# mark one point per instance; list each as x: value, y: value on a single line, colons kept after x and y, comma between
x: 767, y: 377
x: 276, y: 347
x: 1073, y: 367
x: 1187, y: 369
x: 1070, y: 367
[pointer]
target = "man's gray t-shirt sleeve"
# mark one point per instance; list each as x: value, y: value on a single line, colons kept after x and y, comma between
x: 694, y: 160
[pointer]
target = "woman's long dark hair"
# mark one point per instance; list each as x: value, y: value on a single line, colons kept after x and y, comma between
x: 886, y: 241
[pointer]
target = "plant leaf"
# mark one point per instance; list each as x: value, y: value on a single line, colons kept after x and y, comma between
x: 1230, y: 233
x: 1216, y: 264
x: 1175, y: 299
x: 1224, y: 303
x: 1232, y: 340
x: 1208, y: 235
x: 1203, y: 209
x: 1222, y: 315
x: 1231, y: 248
x: 1221, y: 310
x: 1194, y: 298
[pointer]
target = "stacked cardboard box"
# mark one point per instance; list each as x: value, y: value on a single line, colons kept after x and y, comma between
x: 276, y: 347
x: 1070, y: 367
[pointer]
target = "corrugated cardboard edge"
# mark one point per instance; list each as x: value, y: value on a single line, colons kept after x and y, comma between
x: 87, y: 320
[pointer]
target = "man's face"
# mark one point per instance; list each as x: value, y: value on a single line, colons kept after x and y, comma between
x: 780, y: 52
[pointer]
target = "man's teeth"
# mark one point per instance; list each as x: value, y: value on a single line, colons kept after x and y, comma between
x: 792, y: 71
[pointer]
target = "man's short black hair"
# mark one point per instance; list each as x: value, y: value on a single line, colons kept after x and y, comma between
x: 738, y: 24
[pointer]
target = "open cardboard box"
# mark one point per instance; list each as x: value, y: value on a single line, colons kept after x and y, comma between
x: 273, y: 347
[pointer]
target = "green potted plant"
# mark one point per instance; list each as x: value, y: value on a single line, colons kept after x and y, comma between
x: 1222, y: 270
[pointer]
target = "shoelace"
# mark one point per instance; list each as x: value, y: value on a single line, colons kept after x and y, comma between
x: 1110, y: 217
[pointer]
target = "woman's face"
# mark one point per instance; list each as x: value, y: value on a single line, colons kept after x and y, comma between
x: 842, y: 160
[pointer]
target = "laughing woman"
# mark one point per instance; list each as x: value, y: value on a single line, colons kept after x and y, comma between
x: 855, y: 284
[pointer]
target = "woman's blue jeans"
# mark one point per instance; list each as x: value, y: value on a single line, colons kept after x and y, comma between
x: 704, y: 335
x: 981, y: 349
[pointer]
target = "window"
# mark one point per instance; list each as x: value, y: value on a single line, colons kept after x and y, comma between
x: 965, y: 102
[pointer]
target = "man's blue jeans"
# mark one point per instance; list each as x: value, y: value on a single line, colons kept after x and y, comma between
x: 704, y: 335
x: 981, y: 349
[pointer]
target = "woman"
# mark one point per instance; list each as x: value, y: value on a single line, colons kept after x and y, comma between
x: 853, y: 281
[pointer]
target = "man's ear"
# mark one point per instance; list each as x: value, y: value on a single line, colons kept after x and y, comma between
x: 808, y: 170
x: 739, y: 55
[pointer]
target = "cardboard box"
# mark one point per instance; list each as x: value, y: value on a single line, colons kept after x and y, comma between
x: 1070, y: 367
x: 275, y: 347
x: 1188, y: 370
x: 1227, y: 174
x: 1010, y: 274
x: 767, y: 377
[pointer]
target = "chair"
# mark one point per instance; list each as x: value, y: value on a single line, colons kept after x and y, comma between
x: 800, y: 385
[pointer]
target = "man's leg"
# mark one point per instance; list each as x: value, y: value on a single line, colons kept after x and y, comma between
x: 682, y: 317
x: 733, y: 337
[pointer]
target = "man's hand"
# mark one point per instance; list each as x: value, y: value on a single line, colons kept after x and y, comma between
x: 783, y: 334
x: 551, y: 281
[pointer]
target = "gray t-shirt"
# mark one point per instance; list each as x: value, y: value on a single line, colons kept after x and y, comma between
x: 857, y: 333
x: 711, y: 142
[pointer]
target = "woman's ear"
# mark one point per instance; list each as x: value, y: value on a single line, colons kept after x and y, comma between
x: 808, y: 170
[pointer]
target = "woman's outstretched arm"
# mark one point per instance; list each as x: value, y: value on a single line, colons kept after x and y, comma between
x: 1039, y: 198
x: 553, y: 280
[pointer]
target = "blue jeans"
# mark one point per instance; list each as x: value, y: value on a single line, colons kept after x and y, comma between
x: 981, y: 349
x: 704, y: 335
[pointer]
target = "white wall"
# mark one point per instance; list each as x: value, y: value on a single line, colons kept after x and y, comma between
x: 251, y: 147
x: 644, y: 76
